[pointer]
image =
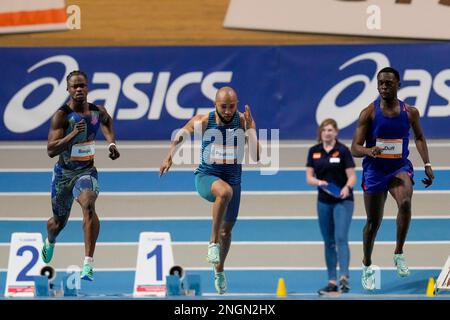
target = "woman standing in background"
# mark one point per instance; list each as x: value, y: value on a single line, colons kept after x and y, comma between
x: 331, y: 168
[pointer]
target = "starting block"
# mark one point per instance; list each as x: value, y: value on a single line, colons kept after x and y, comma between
x: 194, y: 284
x: 173, y: 286
x: 178, y: 283
x: 70, y: 283
x: 41, y: 286
x: 68, y: 289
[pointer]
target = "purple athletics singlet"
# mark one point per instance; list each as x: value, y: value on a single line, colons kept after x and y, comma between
x: 392, y: 135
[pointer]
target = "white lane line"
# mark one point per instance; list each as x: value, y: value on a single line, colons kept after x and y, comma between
x: 191, y: 193
x: 297, y: 243
x: 208, y: 218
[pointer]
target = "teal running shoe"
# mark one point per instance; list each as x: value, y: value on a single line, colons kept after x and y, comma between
x: 368, y: 278
x: 213, y: 256
x: 87, y: 273
x: 47, y: 251
x: 400, y: 263
x: 220, y: 282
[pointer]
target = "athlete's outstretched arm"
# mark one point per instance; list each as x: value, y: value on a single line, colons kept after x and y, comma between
x: 57, y: 142
x: 421, y: 144
x: 187, y: 130
x: 364, y: 121
x: 106, y: 124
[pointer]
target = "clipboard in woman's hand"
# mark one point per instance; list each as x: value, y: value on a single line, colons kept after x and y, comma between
x: 332, y: 189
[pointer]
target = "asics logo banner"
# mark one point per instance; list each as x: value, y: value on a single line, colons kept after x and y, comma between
x: 150, y: 91
x: 346, y: 115
x: 19, y: 119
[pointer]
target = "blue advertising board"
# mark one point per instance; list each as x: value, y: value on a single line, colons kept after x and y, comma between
x: 151, y: 91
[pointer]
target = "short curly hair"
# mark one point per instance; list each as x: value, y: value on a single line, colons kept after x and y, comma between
x: 76, y: 73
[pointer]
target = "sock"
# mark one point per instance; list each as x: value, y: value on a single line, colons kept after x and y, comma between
x: 88, y: 260
x: 49, y: 243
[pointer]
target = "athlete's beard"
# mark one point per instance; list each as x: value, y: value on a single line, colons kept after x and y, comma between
x: 223, y: 119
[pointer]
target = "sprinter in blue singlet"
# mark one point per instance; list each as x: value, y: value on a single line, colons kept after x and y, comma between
x: 384, y: 129
x: 218, y: 177
x: 72, y: 136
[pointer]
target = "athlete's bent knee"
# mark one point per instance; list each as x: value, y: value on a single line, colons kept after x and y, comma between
x: 225, y: 193
x: 405, y: 205
x: 88, y: 208
x: 373, y: 225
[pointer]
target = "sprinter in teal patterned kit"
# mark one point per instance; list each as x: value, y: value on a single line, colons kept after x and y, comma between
x: 218, y: 178
x: 71, y: 136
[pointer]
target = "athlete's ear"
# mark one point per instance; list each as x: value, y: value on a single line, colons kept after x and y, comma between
x: 399, y: 84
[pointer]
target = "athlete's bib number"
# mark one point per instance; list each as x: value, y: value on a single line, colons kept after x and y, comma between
x: 223, y: 154
x: 83, y: 151
x: 391, y: 148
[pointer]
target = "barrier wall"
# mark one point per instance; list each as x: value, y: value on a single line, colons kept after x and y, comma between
x: 151, y: 91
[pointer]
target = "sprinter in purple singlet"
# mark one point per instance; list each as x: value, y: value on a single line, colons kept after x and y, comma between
x: 384, y: 128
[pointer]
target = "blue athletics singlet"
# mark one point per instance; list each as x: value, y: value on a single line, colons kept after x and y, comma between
x: 75, y: 172
x: 79, y: 155
x: 392, y: 135
x: 223, y: 150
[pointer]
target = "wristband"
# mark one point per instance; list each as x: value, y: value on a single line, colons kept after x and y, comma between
x: 427, y: 164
